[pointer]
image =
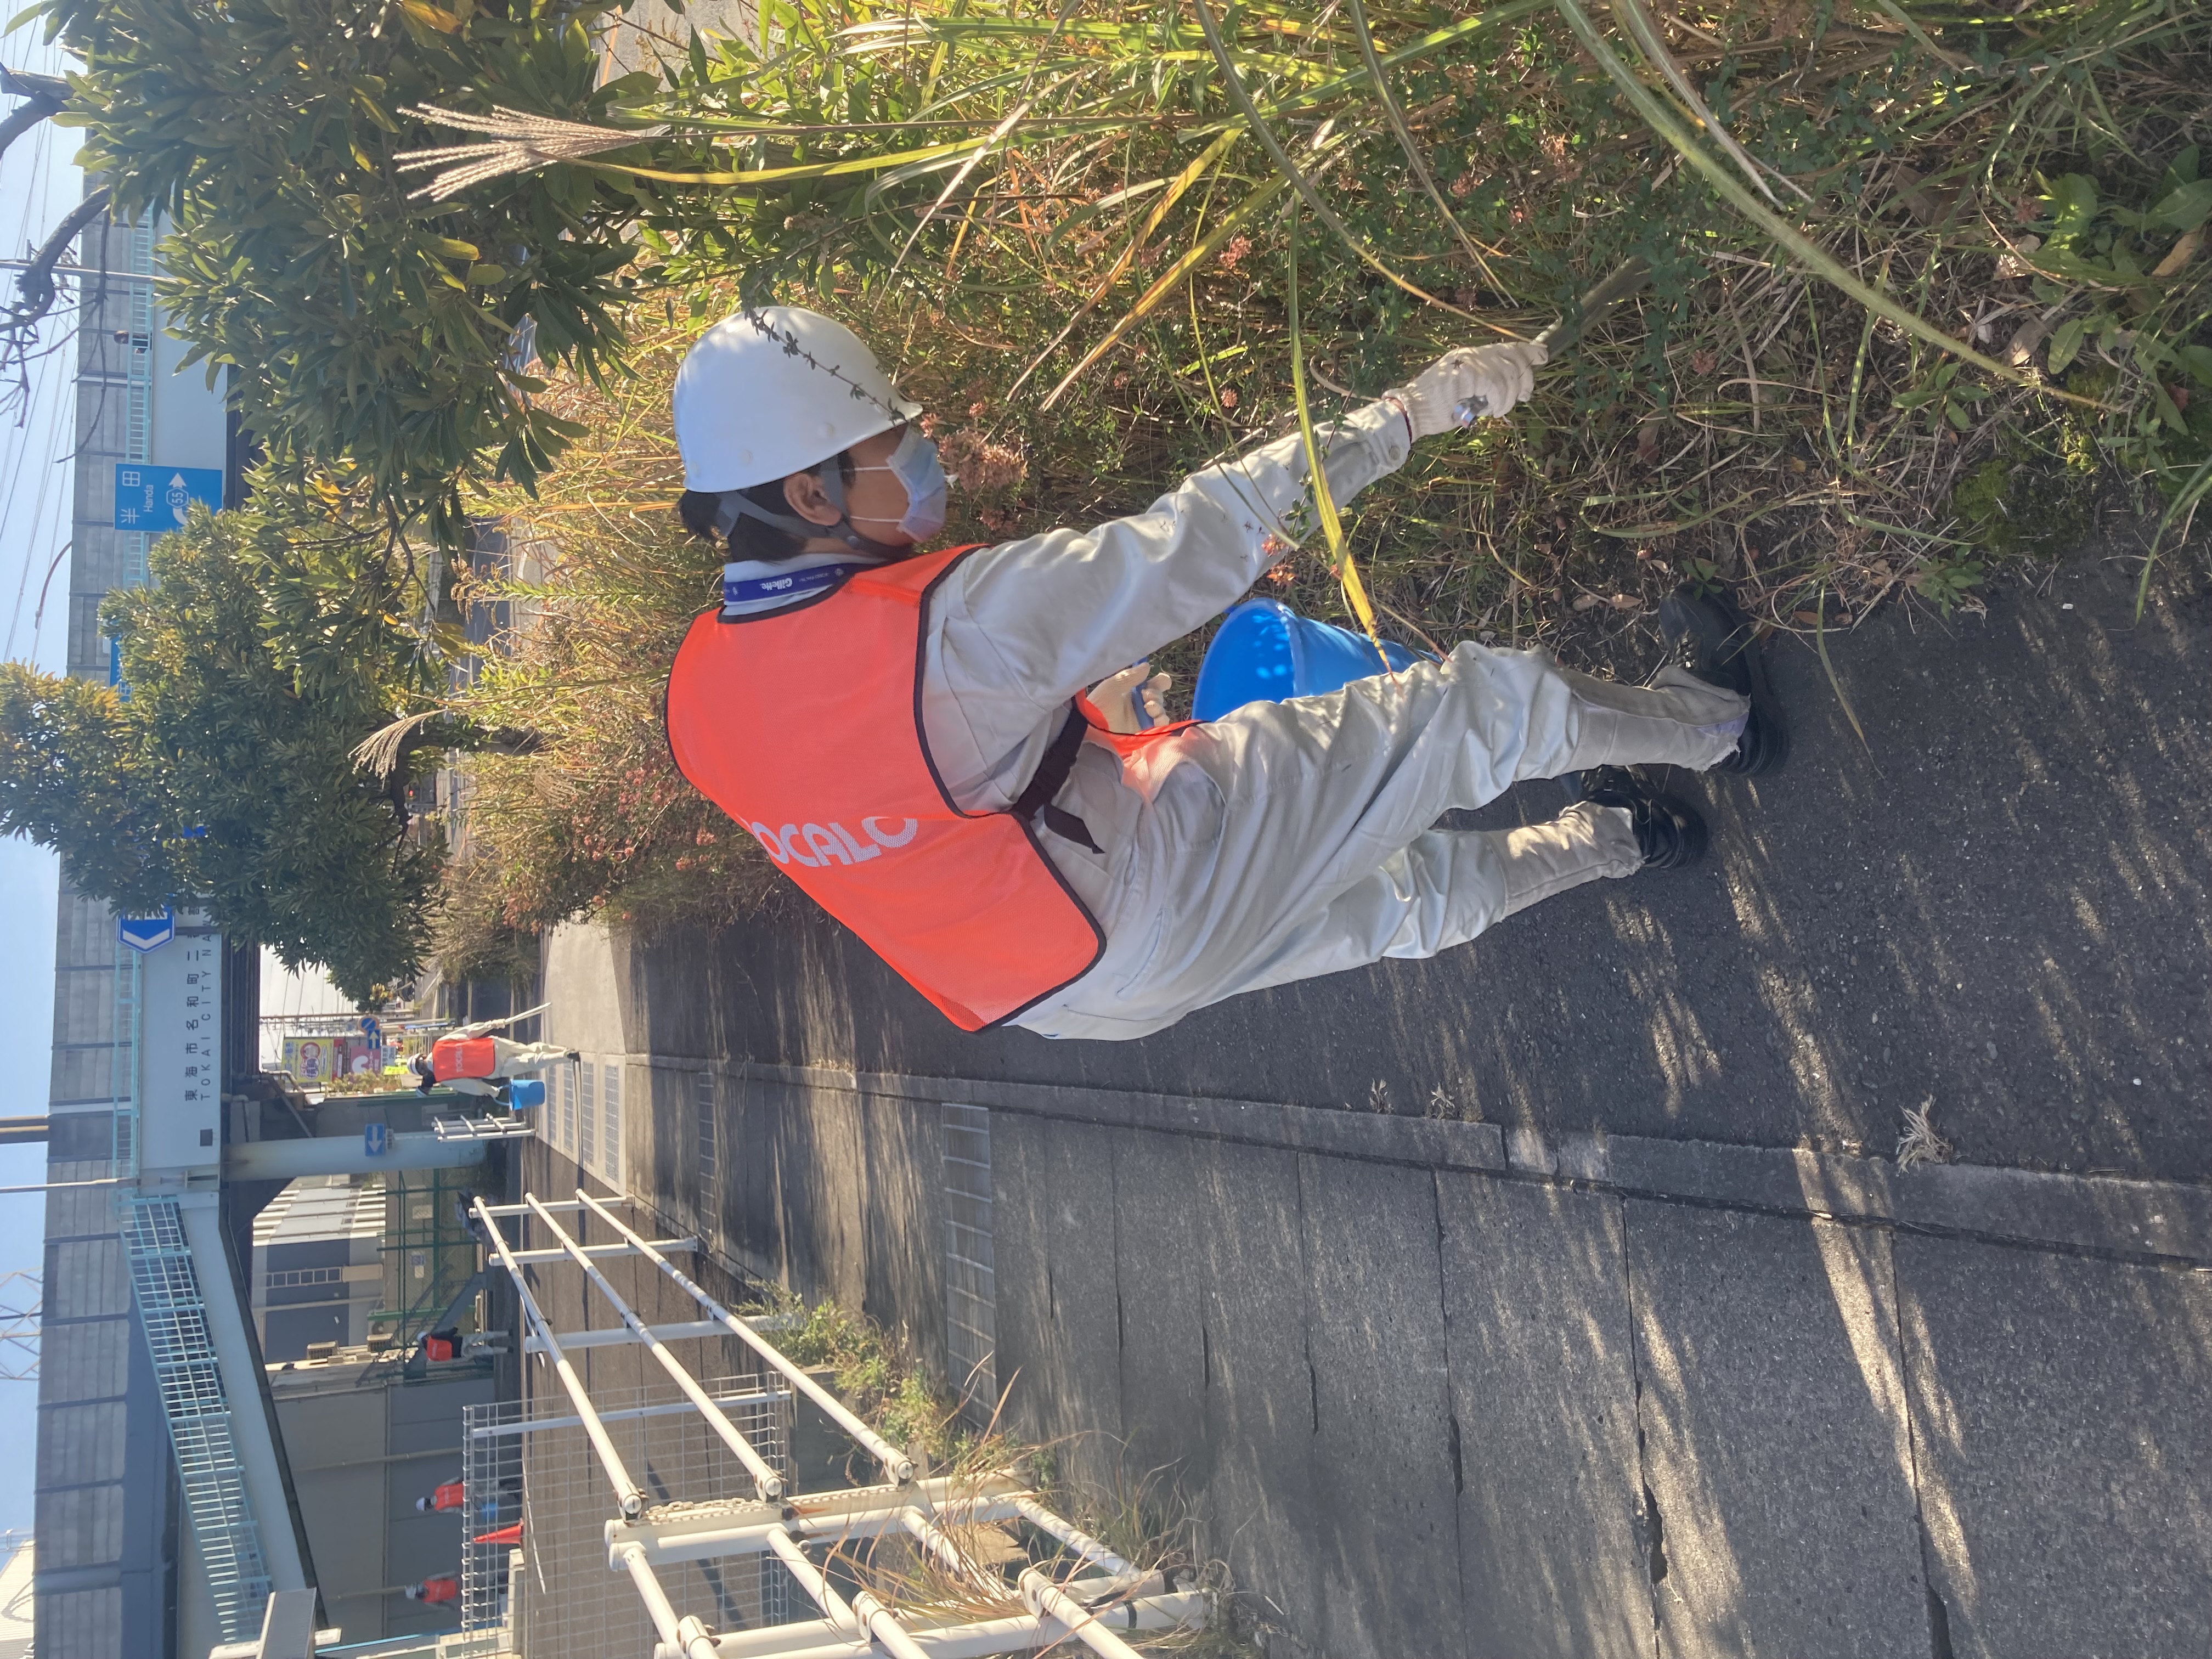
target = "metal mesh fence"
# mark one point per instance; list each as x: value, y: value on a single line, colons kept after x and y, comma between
x: 529, y: 1463
x: 610, y: 1143
x: 708, y: 1211
x: 970, y: 1279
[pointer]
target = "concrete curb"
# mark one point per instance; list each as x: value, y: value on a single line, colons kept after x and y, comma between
x: 2162, y: 1222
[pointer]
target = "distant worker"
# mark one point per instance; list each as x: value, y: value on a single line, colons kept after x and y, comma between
x: 470, y: 1061
x: 444, y: 1588
x: 908, y: 735
x: 448, y: 1495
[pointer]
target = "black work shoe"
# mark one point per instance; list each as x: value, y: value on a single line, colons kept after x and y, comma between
x: 1670, y: 832
x: 1715, y: 640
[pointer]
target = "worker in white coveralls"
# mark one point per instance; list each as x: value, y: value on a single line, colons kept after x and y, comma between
x: 470, y: 1061
x: 909, y: 737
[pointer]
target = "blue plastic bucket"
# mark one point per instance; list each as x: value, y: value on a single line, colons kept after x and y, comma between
x: 1265, y: 652
x: 525, y: 1092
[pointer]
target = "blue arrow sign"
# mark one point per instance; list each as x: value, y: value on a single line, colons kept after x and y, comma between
x: 374, y: 1140
x: 157, y: 498
x: 147, y: 933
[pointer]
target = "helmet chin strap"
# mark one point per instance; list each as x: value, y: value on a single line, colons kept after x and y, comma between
x: 736, y: 505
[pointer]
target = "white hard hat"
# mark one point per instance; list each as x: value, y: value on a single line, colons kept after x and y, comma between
x: 772, y: 390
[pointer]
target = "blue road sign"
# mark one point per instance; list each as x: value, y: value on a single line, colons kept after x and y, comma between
x: 374, y: 1140
x: 156, y: 499
x: 368, y: 1025
x: 147, y: 933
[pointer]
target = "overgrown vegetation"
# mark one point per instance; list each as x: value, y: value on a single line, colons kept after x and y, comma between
x: 1068, y: 240
x: 882, y: 1384
x: 1142, y: 1518
x: 1924, y: 278
x: 600, y: 821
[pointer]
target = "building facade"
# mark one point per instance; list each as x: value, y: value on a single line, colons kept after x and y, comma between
x: 108, y: 1578
x: 318, y: 1265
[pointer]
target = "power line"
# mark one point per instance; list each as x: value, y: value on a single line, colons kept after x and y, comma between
x: 43, y: 385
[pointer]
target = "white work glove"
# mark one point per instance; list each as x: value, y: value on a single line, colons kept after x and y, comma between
x: 1472, y: 382
x: 1116, y: 699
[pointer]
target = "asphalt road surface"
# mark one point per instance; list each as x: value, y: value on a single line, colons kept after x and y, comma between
x: 1994, y: 907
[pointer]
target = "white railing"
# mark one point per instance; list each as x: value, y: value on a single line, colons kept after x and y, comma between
x: 171, y: 1308
x: 754, y: 1521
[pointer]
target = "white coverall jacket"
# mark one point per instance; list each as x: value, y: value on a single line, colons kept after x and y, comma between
x: 1285, y: 840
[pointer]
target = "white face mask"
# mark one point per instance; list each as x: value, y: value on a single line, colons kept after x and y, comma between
x: 915, y: 466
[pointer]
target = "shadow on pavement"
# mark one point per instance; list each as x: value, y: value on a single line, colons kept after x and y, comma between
x: 1995, y: 907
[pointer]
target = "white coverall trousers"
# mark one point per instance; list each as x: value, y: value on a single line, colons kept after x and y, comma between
x: 508, y: 1060
x: 1289, y: 840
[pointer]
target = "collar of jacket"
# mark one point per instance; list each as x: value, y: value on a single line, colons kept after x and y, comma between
x: 750, y: 586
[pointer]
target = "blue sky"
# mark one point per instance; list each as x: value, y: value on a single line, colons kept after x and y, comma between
x: 38, y: 183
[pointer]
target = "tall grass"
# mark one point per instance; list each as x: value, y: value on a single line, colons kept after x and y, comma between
x: 598, y: 821
x: 1145, y: 1519
x: 1941, y: 282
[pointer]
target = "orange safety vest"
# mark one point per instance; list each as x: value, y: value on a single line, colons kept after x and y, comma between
x: 804, y: 725
x: 452, y: 1057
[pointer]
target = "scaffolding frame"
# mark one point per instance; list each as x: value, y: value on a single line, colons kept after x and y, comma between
x: 512, y: 1447
x: 937, y: 1518
x: 447, y: 1249
x: 484, y: 1127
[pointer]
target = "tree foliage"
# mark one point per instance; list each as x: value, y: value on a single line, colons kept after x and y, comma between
x: 361, y: 323
x: 73, y: 776
x: 220, y: 774
x: 268, y: 647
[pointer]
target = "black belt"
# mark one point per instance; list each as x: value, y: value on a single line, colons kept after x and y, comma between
x: 1050, y: 778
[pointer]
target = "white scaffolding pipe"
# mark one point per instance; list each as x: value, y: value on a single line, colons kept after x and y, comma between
x: 950, y: 1555
x: 549, y: 1203
x: 766, y: 1480
x: 686, y: 1636
x: 540, y: 1425
x: 895, y: 1463
x: 603, y: 1338
x: 1081, y: 1542
x: 1038, y: 1591
x: 1043, y: 1596
x: 744, y: 1527
x: 601, y: 1251
x: 1106, y: 1595
x: 980, y: 1638
x: 628, y: 1496
x: 880, y: 1622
